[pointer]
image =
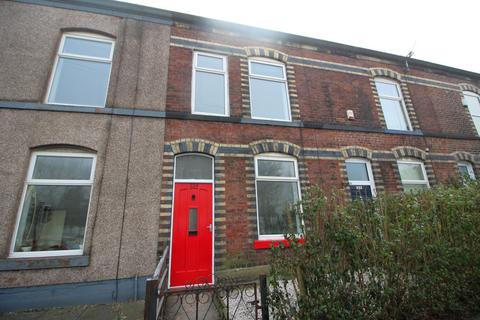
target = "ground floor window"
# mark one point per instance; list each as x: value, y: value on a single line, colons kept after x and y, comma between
x: 413, y: 175
x: 53, y: 212
x: 360, y: 179
x: 466, y: 170
x: 277, y: 187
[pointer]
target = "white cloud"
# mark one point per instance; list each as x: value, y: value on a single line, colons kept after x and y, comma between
x: 444, y: 32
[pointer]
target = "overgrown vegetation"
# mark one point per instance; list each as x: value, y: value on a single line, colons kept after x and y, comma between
x: 403, y: 256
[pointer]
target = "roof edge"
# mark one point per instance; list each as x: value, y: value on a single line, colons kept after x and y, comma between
x: 150, y: 14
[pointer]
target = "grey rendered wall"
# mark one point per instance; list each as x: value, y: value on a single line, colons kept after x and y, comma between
x: 122, y: 227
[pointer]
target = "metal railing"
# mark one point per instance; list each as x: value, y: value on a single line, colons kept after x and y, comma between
x: 156, y: 289
x: 227, y: 299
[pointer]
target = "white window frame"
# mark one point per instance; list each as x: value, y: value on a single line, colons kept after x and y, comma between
x: 53, y: 182
x: 469, y: 166
x: 275, y: 157
x: 473, y: 95
x: 268, y: 78
x: 224, y: 72
x: 371, y: 180
x: 418, y: 182
x: 84, y: 36
x: 193, y: 180
x: 394, y: 98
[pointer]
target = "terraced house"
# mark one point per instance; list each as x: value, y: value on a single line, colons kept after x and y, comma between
x: 126, y: 129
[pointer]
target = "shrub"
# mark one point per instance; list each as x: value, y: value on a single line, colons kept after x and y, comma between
x: 399, y: 256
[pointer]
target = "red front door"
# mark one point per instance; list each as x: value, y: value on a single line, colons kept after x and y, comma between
x: 192, y: 234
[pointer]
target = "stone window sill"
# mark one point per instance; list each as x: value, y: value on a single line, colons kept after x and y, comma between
x: 43, y: 263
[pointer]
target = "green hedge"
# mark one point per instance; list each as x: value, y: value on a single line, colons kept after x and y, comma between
x: 400, y: 256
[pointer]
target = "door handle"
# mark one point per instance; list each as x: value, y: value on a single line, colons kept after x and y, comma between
x: 210, y: 227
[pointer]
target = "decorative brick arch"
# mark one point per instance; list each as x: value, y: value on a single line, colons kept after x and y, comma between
x: 409, y: 152
x: 263, y: 146
x: 464, y: 156
x: 384, y: 72
x: 194, y: 145
x: 289, y: 68
x: 356, y: 152
x: 396, y: 76
x: 266, y: 53
x: 469, y: 87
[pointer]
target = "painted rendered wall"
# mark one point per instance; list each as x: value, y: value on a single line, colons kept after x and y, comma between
x: 122, y: 227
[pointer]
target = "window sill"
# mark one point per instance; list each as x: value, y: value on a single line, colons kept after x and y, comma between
x: 404, y: 132
x: 43, y: 263
x: 268, y: 244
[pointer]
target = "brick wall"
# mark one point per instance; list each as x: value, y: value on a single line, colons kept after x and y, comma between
x: 324, y: 86
x: 322, y: 95
x: 323, y: 159
x: 325, y: 96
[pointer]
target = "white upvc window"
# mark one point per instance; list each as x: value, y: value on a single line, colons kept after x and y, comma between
x: 209, y: 84
x: 466, y: 170
x: 269, y: 98
x: 472, y: 100
x: 81, y: 72
x: 393, y: 106
x: 360, y: 178
x: 52, y: 216
x: 277, y: 191
x: 413, y: 175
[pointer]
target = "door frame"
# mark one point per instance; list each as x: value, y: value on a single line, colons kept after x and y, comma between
x: 211, y: 181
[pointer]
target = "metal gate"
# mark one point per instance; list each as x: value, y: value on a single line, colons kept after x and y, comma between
x: 226, y: 299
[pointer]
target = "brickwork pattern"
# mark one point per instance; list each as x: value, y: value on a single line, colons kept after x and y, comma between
x: 194, y: 146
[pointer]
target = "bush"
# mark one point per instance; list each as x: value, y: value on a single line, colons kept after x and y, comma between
x: 400, y: 256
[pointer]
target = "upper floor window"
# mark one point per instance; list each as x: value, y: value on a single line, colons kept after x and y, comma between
x: 472, y: 100
x: 413, y: 175
x: 209, y: 85
x: 82, y: 71
x: 393, y: 106
x: 466, y: 170
x: 277, y: 186
x: 268, y: 90
x: 53, y: 213
x: 360, y: 179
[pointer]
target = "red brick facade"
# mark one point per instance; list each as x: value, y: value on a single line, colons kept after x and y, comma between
x: 323, y: 92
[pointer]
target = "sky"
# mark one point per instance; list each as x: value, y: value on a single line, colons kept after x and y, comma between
x: 443, y: 31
